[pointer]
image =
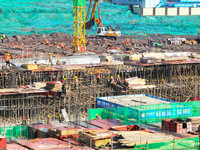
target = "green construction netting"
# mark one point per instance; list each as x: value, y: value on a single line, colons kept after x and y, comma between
x: 148, y: 113
x: 14, y: 132
x: 47, y: 16
x: 177, y: 144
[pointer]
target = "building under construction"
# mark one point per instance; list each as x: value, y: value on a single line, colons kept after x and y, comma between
x: 34, y: 93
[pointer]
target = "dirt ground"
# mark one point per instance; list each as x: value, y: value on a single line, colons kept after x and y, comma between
x: 33, y: 45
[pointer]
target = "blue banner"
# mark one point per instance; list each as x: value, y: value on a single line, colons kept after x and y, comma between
x: 165, y: 113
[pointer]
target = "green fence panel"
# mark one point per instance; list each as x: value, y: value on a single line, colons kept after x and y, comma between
x: 14, y: 132
x: 148, y: 113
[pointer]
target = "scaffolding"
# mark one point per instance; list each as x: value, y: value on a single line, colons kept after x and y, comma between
x: 181, y: 83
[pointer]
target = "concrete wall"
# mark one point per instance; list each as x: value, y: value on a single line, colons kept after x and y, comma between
x: 160, y: 12
x: 90, y: 59
x: 147, y: 12
x: 195, y: 11
x: 186, y: 11
x: 172, y: 12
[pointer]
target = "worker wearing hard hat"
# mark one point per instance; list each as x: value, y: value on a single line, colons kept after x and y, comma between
x: 3, y: 37
x: 91, y: 78
x: 58, y: 62
x: 62, y: 45
x: 118, y: 80
x: 112, y: 80
x: 7, y: 59
x: 106, y: 58
x: 76, y: 82
x: 64, y: 85
x: 23, y: 121
x: 98, y: 77
x: 50, y: 59
x: 48, y: 119
x: 98, y: 117
x: 47, y: 42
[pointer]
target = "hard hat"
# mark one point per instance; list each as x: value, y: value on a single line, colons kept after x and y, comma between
x: 90, y: 72
x: 96, y: 114
x: 105, y: 57
x: 48, y: 116
x: 57, y: 59
x: 93, y: 119
x: 75, y: 77
x: 46, y: 40
x: 49, y: 53
x: 111, y: 77
x: 163, y: 79
x: 64, y: 78
x: 8, y: 54
x: 98, y: 71
x: 117, y: 75
x: 22, y: 118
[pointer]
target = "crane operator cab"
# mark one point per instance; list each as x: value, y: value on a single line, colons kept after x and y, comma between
x: 109, y: 32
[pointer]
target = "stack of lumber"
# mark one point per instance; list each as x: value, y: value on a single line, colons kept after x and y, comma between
x: 96, y: 137
x: 38, y: 85
x: 54, y: 86
x: 155, y: 55
x: 137, y: 83
x: 197, y: 56
x: 10, y: 90
x: 195, y: 120
x: 131, y: 138
x: 112, y: 63
x: 43, y: 67
x: 134, y: 57
x: 68, y: 131
x: 176, y: 58
x: 30, y: 66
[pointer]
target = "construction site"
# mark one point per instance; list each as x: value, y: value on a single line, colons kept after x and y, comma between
x: 61, y: 91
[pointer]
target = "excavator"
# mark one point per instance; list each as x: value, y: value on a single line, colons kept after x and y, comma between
x: 101, y: 30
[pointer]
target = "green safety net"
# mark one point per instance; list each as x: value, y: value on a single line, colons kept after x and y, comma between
x: 47, y: 16
x: 148, y: 113
x: 14, y: 132
x: 177, y: 144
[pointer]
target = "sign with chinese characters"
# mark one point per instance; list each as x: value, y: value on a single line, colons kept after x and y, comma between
x: 165, y: 113
x: 104, y: 104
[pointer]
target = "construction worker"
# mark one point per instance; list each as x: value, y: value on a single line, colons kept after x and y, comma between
x: 98, y: 77
x: 55, y: 43
x: 48, y: 119
x: 148, y: 41
x: 151, y: 42
x: 50, y: 59
x: 118, y: 80
x: 133, y: 42
x: 47, y: 42
x: 23, y: 121
x: 57, y: 62
x: 88, y: 43
x: 1, y: 39
x: 112, y: 80
x: 76, y: 82
x: 91, y: 78
x: 106, y: 58
x: 62, y: 45
x: 93, y: 118
x: 63, y: 85
x: 98, y: 117
x: 7, y: 59
x: 163, y: 81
